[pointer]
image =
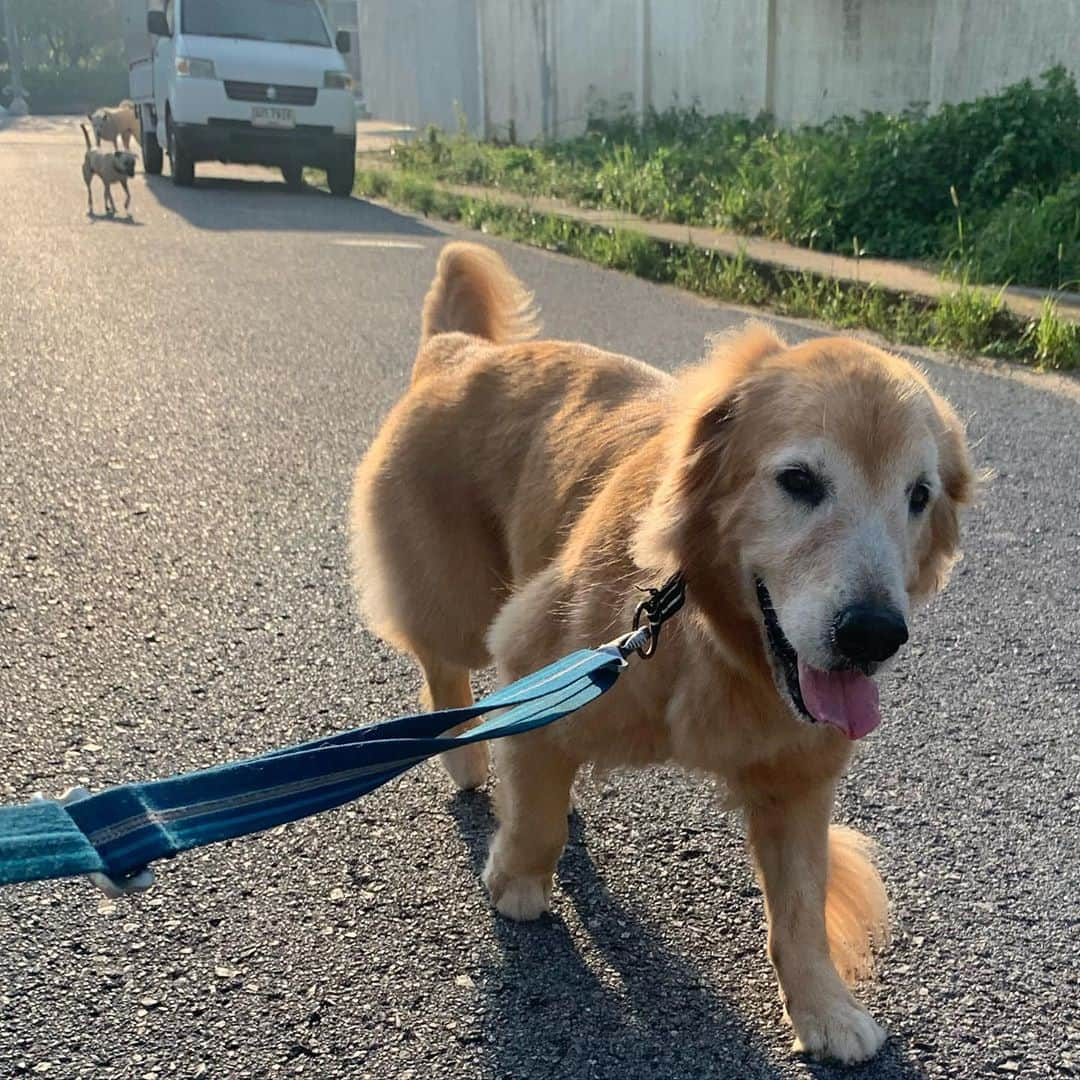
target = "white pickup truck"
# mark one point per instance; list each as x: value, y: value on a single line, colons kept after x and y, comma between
x: 260, y: 82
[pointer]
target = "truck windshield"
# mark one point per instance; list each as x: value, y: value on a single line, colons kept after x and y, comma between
x: 294, y: 21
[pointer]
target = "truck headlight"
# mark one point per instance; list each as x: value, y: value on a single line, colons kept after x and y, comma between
x: 192, y: 68
x: 337, y: 80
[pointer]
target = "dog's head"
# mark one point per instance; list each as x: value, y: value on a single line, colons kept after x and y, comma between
x: 97, y: 121
x: 812, y: 492
x: 124, y: 162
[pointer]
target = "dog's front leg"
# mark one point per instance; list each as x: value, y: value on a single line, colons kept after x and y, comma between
x: 127, y: 193
x: 110, y: 202
x: 532, y: 801
x: 789, y: 839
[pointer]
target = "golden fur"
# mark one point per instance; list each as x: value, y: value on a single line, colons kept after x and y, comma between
x: 118, y: 123
x: 519, y: 492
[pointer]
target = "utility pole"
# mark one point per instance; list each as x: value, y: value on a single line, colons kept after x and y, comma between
x: 11, y: 36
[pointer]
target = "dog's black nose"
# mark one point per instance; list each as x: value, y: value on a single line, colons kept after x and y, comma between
x: 867, y: 633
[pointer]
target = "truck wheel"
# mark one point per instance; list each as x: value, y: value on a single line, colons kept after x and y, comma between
x: 180, y: 161
x: 341, y: 175
x: 152, y: 157
x: 293, y: 176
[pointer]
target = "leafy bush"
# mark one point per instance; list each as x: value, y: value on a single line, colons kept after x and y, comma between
x: 74, y: 90
x: 886, y: 185
x: 1031, y: 239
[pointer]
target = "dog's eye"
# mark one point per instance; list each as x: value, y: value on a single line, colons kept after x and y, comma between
x: 918, y: 497
x: 802, y: 484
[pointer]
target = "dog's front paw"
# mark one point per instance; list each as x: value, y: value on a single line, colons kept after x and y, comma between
x: 840, y: 1031
x: 519, y: 898
x: 467, y: 766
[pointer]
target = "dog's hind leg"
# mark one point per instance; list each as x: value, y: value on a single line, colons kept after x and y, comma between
x: 429, y: 579
x: 532, y: 801
x: 446, y: 686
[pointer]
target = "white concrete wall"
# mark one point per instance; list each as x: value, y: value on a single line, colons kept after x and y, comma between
x: 550, y: 64
x: 417, y: 58
x: 707, y: 51
x: 545, y: 66
x: 837, y: 57
x: 982, y: 45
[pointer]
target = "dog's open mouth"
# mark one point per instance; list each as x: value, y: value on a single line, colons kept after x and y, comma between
x: 845, y: 698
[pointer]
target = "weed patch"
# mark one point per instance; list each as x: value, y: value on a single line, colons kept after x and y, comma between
x: 990, y: 185
x: 967, y: 321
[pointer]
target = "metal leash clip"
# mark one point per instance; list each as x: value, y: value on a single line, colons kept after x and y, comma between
x: 112, y: 886
x: 660, y: 605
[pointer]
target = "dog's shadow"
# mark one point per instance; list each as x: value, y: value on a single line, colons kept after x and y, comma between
x: 624, y: 1004
x: 116, y: 219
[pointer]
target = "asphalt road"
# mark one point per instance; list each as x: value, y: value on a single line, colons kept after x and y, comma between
x: 183, y: 399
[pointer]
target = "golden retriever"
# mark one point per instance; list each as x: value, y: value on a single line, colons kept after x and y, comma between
x: 521, y: 491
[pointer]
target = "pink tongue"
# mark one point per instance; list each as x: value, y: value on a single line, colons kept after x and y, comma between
x: 846, y: 699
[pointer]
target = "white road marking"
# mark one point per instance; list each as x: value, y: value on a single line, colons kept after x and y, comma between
x: 358, y: 242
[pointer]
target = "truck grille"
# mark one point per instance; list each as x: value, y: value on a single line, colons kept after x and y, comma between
x: 260, y: 92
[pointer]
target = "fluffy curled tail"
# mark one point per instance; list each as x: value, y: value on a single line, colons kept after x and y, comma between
x: 856, y: 907
x: 474, y: 292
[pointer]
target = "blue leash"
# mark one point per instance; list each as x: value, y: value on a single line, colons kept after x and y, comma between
x: 114, y: 835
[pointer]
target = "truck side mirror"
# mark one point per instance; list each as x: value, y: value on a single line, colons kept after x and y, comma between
x: 343, y: 41
x: 157, y: 24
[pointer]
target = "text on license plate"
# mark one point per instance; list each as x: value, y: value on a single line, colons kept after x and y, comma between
x: 272, y: 116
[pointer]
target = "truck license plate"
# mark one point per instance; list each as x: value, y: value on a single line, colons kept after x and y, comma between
x: 272, y: 116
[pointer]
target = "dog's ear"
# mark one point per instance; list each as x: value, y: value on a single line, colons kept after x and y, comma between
x: 698, y: 469
x: 941, y: 543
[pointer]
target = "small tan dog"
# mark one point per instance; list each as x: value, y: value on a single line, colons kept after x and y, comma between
x: 520, y: 491
x: 112, y: 124
x: 114, y: 167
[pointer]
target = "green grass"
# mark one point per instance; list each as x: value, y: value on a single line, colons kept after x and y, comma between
x: 1004, y: 168
x: 969, y: 322
x: 1032, y: 239
x: 1055, y: 342
x: 966, y: 321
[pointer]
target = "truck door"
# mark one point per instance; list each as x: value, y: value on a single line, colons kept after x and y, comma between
x: 164, y: 61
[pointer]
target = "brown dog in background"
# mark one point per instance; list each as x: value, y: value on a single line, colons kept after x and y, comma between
x: 112, y: 166
x: 521, y: 490
x: 112, y: 124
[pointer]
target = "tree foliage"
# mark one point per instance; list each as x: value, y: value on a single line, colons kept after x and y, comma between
x: 74, y: 33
